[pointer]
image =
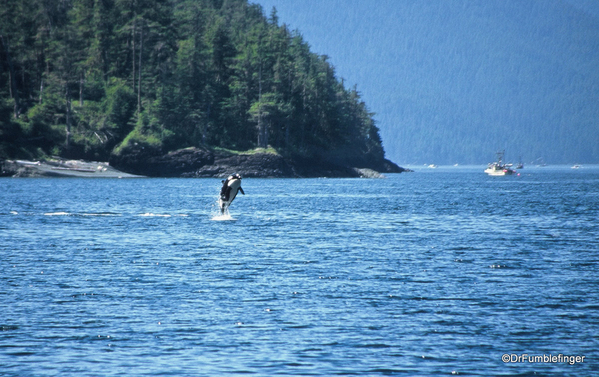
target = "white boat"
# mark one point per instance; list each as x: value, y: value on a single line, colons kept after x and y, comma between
x: 576, y: 166
x: 498, y: 167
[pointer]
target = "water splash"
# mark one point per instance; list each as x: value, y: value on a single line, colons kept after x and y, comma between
x: 224, y: 217
x: 216, y: 215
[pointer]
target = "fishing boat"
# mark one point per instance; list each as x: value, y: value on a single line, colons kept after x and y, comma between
x: 498, y: 167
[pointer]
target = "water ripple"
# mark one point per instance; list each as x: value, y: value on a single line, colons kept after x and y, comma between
x: 421, y: 274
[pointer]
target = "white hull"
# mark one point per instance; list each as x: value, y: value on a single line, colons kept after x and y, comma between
x: 499, y: 172
x: 499, y: 168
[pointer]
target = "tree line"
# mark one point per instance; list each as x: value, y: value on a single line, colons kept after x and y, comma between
x: 91, y: 78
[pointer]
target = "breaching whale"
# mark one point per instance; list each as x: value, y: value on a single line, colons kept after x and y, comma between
x: 228, y: 192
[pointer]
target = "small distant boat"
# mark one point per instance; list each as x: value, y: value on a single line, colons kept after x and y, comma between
x: 498, y: 167
x: 432, y: 166
x: 520, y: 165
x: 576, y: 166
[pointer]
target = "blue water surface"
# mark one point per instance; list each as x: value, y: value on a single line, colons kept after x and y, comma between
x: 438, y: 272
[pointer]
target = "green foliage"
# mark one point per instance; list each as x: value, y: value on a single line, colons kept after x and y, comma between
x: 100, y: 125
x: 99, y: 77
x: 119, y: 106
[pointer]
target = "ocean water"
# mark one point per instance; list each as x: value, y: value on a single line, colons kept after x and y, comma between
x: 439, y: 272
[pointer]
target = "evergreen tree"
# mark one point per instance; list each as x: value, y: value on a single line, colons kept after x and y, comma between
x: 91, y: 78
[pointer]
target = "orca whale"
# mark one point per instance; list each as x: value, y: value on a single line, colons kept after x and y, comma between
x: 231, y: 186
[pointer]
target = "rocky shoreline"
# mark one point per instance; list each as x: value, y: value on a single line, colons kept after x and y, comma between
x: 198, y: 163
x: 60, y: 168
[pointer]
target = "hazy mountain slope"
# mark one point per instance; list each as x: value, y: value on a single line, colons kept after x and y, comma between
x: 453, y: 81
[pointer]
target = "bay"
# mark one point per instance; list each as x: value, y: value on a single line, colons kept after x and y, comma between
x: 441, y: 271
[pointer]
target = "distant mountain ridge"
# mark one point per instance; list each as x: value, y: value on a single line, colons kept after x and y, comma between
x: 454, y: 81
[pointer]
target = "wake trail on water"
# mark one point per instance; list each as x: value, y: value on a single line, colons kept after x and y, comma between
x: 99, y: 214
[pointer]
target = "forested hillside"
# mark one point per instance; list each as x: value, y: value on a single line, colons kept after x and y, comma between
x: 94, y: 78
x: 453, y: 81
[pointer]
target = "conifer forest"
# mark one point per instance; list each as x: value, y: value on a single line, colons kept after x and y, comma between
x: 89, y: 79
